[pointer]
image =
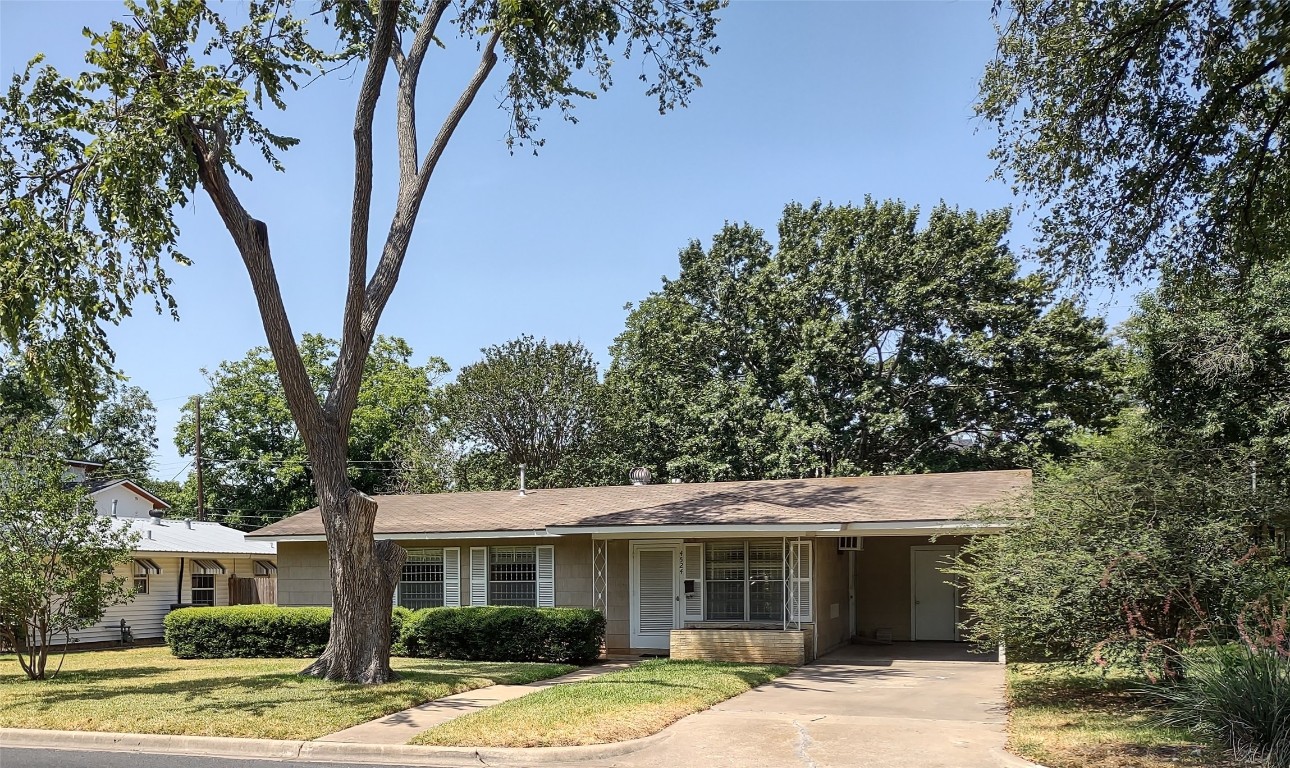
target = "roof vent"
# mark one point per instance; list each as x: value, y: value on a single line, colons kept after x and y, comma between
x: 523, y: 490
x: 640, y: 476
x: 155, y: 514
x: 188, y: 521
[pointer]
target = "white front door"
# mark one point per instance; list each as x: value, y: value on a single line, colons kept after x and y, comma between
x: 935, y: 598
x: 656, y: 595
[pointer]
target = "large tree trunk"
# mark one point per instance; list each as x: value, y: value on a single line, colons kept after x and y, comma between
x: 364, y: 573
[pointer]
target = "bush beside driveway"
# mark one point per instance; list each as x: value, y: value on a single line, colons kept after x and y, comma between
x: 147, y: 690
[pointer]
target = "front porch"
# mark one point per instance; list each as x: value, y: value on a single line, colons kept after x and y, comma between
x: 747, y: 599
x: 771, y: 598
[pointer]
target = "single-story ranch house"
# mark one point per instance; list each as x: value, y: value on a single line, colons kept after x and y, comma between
x: 773, y: 569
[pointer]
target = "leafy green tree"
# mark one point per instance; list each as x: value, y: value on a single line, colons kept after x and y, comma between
x: 54, y: 551
x: 120, y: 434
x: 180, y: 494
x: 1148, y: 134
x: 1212, y: 362
x: 526, y: 402
x: 93, y: 170
x: 1130, y: 551
x: 862, y: 344
x: 256, y: 469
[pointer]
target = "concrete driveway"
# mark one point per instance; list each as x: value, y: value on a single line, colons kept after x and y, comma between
x: 914, y: 705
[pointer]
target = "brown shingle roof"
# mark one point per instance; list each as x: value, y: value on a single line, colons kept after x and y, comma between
x: 834, y: 500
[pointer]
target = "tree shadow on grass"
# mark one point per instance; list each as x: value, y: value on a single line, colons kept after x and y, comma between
x: 69, y: 677
x: 1082, y: 690
x: 247, y: 695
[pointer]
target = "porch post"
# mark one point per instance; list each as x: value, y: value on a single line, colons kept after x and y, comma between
x: 600, y: 576
x: 786, y: 603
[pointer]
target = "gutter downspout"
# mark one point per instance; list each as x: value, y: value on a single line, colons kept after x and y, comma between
x: 179, y: 586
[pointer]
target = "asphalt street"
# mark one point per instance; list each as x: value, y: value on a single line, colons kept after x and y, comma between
x: 56, y: 758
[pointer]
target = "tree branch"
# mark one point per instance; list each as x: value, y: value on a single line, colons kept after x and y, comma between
x: 353, y: 342
x: 252, y: 239
x: 409, y: 72
x: 386, y: 275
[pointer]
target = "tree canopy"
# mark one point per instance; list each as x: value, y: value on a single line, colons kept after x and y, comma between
x: 1211, y: 356
x: 861, y: 343
x: 256, y: 468
x: 527, y: 402
x: 120, y: 433
x: 1146, y: 134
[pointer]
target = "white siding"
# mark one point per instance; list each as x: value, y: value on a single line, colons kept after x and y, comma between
x: 128, y: 503
x: 145, y: 613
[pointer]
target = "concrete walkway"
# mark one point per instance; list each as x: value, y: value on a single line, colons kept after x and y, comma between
x: 399, y: 727
x: 911, y: 705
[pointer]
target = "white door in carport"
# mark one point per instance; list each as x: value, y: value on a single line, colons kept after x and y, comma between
x: 934, y: 614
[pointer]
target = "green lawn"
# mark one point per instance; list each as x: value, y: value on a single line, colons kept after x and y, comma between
x: 616, y: 706
x: 146, y: 690
x: 1065, y: 717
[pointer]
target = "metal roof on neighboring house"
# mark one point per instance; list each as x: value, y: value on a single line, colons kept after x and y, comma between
x: 198, y: 538
x: 834, y: 501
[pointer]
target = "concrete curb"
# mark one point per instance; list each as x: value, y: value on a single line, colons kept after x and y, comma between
x: 317, y: 751
x: 1008, y: 760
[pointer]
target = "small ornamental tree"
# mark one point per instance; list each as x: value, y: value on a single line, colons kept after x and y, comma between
x: 56, y: 555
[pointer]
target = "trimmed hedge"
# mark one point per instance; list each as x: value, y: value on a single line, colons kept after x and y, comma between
x: 247, y: 631
x: 503, y: 633
x: 494, y: 633
x: 397, y: 622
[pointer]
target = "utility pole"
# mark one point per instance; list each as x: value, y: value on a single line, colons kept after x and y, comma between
x: 201, y: 497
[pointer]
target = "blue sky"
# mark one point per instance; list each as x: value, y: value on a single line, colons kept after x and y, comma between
x: 806, y: 100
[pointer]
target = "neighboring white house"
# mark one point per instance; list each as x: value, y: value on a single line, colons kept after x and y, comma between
x: 176, y: 561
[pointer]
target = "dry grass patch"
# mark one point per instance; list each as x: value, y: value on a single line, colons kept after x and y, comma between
x: 147, y: 690
x: 613, y: 707
x: 1065, y: 717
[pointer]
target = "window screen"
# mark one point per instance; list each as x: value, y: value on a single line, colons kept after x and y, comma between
x: 512, y: 576
x: 422, y: 583
x: 724, y: 580
x: 203, y: 589
x: 765, y: 581
x: 744, y: 580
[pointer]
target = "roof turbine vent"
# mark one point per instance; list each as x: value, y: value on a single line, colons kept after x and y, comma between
x: 640, y: 476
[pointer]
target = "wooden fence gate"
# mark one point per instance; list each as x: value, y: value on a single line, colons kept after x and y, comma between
x: 252, y: 590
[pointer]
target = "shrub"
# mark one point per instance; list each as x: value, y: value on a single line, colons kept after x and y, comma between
x: 397, y: 622
x: 502, y: 633
x: 247, y: 631
x: 1238, y: 696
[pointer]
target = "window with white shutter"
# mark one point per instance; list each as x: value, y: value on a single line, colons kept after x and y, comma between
x: 452, y: 577
x: 421, y: 584
x: 546, y: 576
x: 479, y: 575
x: 693, y: 578
x: 745, y: 580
